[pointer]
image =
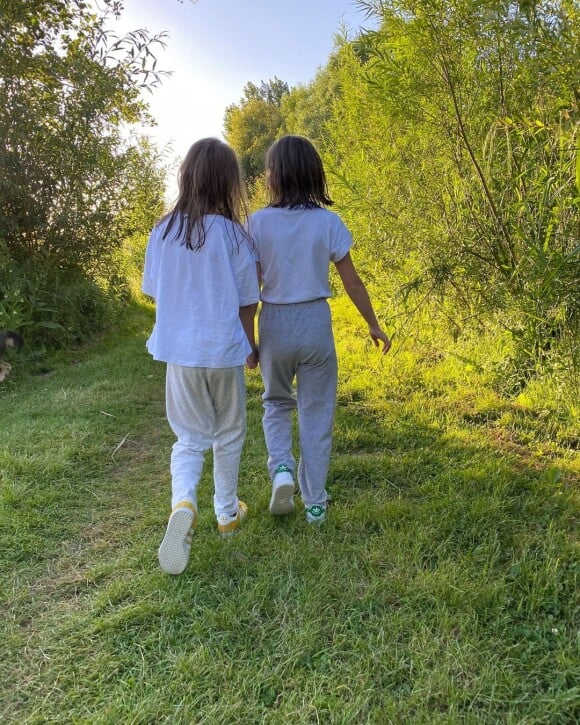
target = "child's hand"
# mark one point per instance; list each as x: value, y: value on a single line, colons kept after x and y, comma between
x: 252, y: 359
x: 378, y: 336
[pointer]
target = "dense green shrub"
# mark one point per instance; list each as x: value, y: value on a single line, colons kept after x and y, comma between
x: 73, y: 187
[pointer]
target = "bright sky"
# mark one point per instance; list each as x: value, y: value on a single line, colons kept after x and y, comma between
x: 217, y: 46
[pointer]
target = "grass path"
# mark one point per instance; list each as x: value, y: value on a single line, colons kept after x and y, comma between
x: 442, y: 589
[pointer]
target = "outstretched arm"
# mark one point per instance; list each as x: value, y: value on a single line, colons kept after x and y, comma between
x: 357, y: 292
x: 247, y: 315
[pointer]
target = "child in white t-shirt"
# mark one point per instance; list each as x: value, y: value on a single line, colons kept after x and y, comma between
x: 296, y: 238
x: 201, y: 273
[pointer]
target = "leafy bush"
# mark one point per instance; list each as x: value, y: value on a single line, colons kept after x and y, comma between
x: 72, y: 189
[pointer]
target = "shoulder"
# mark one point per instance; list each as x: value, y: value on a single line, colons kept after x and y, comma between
x: 258, y: 221
x: 217, y: 225
x: 157, y: 232
x: 331, y: 216
x: 261, y: 214
x: 326, y: 218
x: 337, y: 223
x: 164, y: 219
x: 234, y: 236
x: 161, y: 227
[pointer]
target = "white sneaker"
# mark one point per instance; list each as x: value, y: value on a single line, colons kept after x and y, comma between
x: 282, y: 499
x: 174, y: 551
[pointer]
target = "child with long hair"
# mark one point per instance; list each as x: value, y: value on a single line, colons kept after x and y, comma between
x: 201, y: 273
x: 296, y: 238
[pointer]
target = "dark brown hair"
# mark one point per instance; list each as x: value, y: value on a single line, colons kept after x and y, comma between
x: 295, y: 174
x: 210, y: 182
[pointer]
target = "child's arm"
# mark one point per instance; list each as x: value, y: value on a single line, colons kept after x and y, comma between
x: 357, y: 292
x: 247, y: 315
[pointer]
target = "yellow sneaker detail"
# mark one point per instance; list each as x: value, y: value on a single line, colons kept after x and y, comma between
x: 228, y: 525
x: 174, y: 551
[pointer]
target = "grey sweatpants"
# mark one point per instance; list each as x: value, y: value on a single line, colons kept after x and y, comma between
x: 296, y: 341
x: 206, y: 408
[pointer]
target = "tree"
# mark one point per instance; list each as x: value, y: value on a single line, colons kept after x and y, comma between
x: 67, y: 89
x: 254, y: 124
x: 271, y: 92
x: 307, y: 109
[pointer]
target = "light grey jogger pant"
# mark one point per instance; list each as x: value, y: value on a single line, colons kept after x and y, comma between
x: 296, y: 340
x: 206, y: 408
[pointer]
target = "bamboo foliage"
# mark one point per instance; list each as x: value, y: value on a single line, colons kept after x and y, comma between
x: 494, y: 89
x: 450, y: 132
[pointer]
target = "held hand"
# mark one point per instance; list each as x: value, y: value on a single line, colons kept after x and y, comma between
x: 252, y: 359
x: 378, y: 336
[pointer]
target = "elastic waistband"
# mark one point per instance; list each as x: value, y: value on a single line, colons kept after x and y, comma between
x: 306, y: 303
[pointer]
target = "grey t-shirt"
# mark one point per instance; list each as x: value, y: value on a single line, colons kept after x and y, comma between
x: 294, y: 248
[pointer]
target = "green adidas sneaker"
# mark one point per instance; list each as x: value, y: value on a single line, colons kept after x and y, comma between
x: 316, y: 514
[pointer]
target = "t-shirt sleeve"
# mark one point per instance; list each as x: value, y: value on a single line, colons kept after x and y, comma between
x: 251, y: 228
x: 148, y: 283
x: 245, y: 274
x: 341, y: 240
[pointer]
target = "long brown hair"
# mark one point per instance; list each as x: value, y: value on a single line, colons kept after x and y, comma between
x: 295, y: 174
x: 210, y: 182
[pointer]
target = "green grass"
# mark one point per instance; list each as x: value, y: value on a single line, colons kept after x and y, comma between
x: 443, y: 587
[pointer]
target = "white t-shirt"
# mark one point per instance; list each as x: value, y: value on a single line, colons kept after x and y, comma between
x: 294, y: 248
x: 198, y: 295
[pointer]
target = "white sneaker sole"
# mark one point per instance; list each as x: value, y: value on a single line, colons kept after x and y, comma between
x: 174, y: 551
x: 282, y: 499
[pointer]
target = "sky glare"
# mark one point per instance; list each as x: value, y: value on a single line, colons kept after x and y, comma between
x: 216, y: 46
